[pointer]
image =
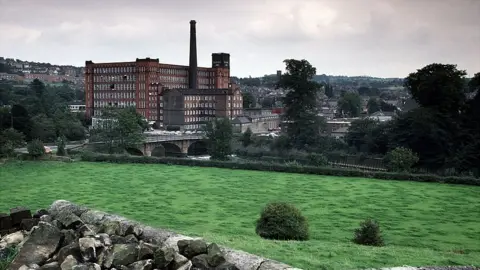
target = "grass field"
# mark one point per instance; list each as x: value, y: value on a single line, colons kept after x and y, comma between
x: 423, y: 223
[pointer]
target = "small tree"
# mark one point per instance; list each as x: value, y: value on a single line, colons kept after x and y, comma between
x: 247, y: 137
x: 36, y: 148
x: 61, y: 146
x: 282, y: 221
x: 9, y: 140
x: 368, y: 234
x: 219, y: 135
x: 400, y: 159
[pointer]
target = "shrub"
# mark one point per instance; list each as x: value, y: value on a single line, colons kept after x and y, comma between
x: 61, y: 146
x: 6, y: 257
x: 282, y: 221
x: 246, y: 138
x: 36, y: 148
x: 368, y: 234
x: 317, y: 159
x: 400, y: 159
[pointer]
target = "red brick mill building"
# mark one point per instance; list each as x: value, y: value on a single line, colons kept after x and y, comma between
x: 181, y: 96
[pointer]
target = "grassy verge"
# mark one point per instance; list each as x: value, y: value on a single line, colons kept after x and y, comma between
x: 423, y: 223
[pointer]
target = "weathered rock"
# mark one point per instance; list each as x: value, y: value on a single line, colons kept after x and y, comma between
x: 69, y: 250
x: 39, y: 213
x: 103, y: 240
x: 17, y: 214
x: 187, y: 266
x: 242, y: 259
x: 131, y: 239
x: 141, y: 265
x: 51, y: 266
x: 273, y: 265
x: 120, y: 254
x: 57, y: 224
x: 200, y: 262
x: 179, y: 261
x: 93, y: 217
x: 5, y: 222
x: 69, y: 263
x: 87, y: 266
x: 33, y: 266
x: 228, y: 266
x: 110, y: 228
x: 192, y: 248
x: 68, y: 237
x: 87, y: 249
x: 145, y: 251
x: 85, y: 230
x: 46, y: 218
x: 13, y: 239
x: 153, y: 235
x: 214, y: 255
x: 28, y: 223
x: 62, y: 206
x: 23, y: 267
x: 40, y: 245
x: 116, y: 239
x: 163, y: 256
x: 69, y: 220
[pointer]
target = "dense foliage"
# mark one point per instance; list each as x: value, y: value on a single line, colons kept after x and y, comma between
x: 36, y: 148
x: 369, y: 234
x: 218, y: 134
x: 40, y: 112
x: 282, y: 221
x: 400, y: 159
x: 121, y: 128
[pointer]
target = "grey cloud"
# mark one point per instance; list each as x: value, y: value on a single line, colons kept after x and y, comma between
x: 371, y: 37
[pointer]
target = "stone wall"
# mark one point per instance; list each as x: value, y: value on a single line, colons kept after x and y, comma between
x: 69, y: 236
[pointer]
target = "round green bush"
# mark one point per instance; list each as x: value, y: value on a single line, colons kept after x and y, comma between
x: 368, y: 234
x: 282, y: 221
x: 36, y: 148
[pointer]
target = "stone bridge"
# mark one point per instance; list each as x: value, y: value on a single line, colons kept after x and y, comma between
x: 171, y: 145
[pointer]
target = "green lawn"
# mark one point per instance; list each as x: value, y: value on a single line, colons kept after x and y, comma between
x: 423, y: 223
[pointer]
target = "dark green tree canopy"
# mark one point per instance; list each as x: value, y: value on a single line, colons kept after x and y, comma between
x: 438, y: 85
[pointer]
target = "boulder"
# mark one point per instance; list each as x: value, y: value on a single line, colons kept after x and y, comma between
x: 192, y: 248
x: 145, y: 251
x: 12, y: 239
x: 69, y: 237
x: 121, y: 254
x: 5, y: 222
x: 69, y: 263
x: 69, y: 250
x: 87, y: 266
x: 69, y: 220
x: 51, y: 266
x: 62, y: 206
x: 28, y: 223
x: 43, y: 241
x: 163, y: 257
x: 179, y: 261
x: 39, y: 213
x: 200, y: 262
x: 214, y: 255
x: 87, y: 249
x: 142, y: 265
x: 17, y: 214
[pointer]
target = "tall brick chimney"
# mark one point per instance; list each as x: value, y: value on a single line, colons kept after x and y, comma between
x: 192, y: 70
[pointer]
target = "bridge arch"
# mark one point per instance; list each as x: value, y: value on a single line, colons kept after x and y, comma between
x: 169, y: 149
x: 134, y: 151
x: 198, y: 148
x: 158, y: 151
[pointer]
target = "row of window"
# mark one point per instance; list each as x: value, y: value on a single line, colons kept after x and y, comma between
x: 197, y: 112
x: 194, y: 105
x: 121, y: 87
x: 193, y: 127
x: 104, y: 70
x: 188, y: 98
x: 235, y: 105
x: 197, y: 119
x: 114, y: 78
x: 115, y: 95
x: 235, y: 98
x: 121, y: 104
x: 154, y: 105
x: 234, y: 112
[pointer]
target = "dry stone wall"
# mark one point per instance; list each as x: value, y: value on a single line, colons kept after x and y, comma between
x: 70, y: 236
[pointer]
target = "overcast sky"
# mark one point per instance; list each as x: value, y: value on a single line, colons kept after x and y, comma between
x: 385, y: 38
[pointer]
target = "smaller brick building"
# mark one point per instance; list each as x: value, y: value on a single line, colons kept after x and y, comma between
x: 189, y: 109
